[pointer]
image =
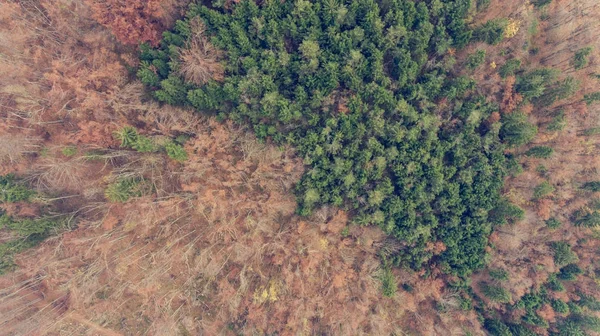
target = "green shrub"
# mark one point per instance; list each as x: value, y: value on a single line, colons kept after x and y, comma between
x: 586, y: 322
x: 535, y: 83
x: 569, y: 328
x: 499, y: 274
x: 506, y: 212
x: 482, y: 4
x: 560, y: 306
x: 554, y: 284
x: 509, y: 68
x: 27, y: 227
x: 589, y: 302
x: 553, y: 223
x: 591, y: 131
x: 543, y: 170
x: 574, y: 308
x: 29, y: 231
x: 542, y: 152
x: 580, y: 60
x: 592, y: 186
x: 520, y: 330
x: 557, y: 91
x: 128, y: 136
x: 496, y: 328
x: 476, y: 59
x: 591, y: 98
x: 558, y: 123
x: 587, y: 218
x: 495, y: 293
x: 516, y: 130
x: 144, y: 144
x: 176, y: 151
x: 534, y: 319
x: 69, y: 151
x: 513, y: 166
x: 491, y: 32
x: 389, y: 286
x: 569, y: 272
x: 124, y: 189
x: 563, y: 254
x: 541, y: 3
x: 12, y: 190
x: 542, y: 190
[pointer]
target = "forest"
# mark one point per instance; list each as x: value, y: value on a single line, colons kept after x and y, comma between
x: 357, y: 87
x: 334, y: 167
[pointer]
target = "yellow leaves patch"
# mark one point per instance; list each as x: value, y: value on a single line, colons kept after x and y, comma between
x: 512, y: 28
x: 269, y: 293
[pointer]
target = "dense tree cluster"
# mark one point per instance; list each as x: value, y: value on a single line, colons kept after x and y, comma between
x: 356, y: 86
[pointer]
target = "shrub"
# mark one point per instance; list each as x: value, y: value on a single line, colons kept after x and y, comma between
x: 592, y: 186
x: 542, y: 190
x: 543, y: 170
x: 574, y: 308
x: 495, y: 293
x: 499, y: 274
x: 482, y: 4
x: 128, y: 136
x: 592, y: 131
x: 389, y: 286
x: 496, y: 328
x: 509, y: 68
x: 569, y: 328
x: 176, y: 151
x: 557, y: 91
x: 534, y: 84
x: 541, y: 3
x: 491, y: 32
x: 563, y: 254
x: 542, y: 152
x: 513, y: 166
x: 558, y: 123
x: 37, y: 229
x: 29, y: 231
x: 569, y: 272
x: 506, y: 212
x: 587, y: 218
x: 553, y: 223
x: 560, y: 306
x: 554, y: 284
x: 69, y: 151
x: 516, y: 130
x: 520, y: 330
x: 124, y: 189
x: 12, y: 190
x: 535, y: 319
x: 144, y: 144
x: 586, y: 322
x: 580, y: 60
x: 589, y: 302
x: 476, y: 59
x: 591, y: 98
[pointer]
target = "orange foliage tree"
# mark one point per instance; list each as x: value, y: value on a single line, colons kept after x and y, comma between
x: 510, y: 99
x: 131, y: 21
